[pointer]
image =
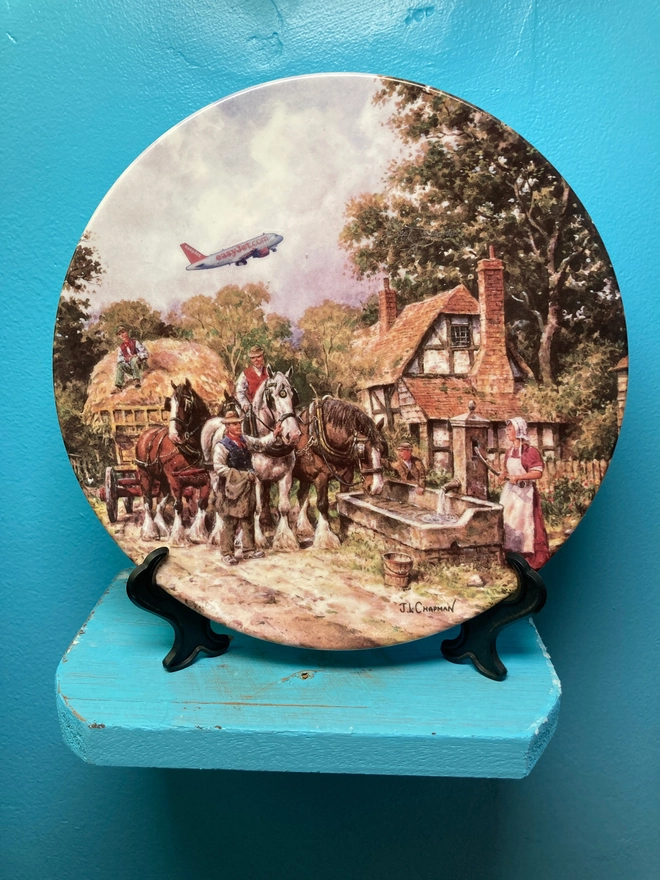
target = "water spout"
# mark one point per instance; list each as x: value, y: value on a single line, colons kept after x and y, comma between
x: 441, y: 506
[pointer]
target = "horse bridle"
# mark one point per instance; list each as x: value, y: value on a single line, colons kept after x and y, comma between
x: 182, y: 447
x: 187, y: 402
x: 357, y: 449
x: 359, y: 452
x: 270, y: 404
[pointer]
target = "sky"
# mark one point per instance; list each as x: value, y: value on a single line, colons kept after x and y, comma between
x: 284, y: 157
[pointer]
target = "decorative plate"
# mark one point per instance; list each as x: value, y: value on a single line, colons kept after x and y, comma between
x: 340, y: 342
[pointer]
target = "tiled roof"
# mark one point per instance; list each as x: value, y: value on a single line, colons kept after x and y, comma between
x: 444, y: 398
x: 392, y: 352
x: 623, y: 364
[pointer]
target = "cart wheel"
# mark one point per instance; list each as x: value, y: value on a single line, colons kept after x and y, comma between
x: 128, y: 504
x: 111, y: 494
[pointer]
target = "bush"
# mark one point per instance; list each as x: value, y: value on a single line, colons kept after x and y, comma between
x: 90, y: 452
x: 494, y: 493
x: 437, y: 477
x: 567, y: 498
x: 585, y: 397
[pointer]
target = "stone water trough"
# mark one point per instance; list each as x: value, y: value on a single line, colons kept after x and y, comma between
x: 432, y: 527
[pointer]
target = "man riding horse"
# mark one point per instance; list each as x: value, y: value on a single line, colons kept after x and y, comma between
x: 248, y: 383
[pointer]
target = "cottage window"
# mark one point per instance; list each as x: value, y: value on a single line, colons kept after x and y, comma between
x: 460, y: 333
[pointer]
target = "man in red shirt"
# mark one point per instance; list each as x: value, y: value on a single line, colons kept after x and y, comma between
x: 248, y: 384
x: 252, y: 378
x: 131, y: 360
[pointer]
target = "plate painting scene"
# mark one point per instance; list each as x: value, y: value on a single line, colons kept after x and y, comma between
x: 340, y: 342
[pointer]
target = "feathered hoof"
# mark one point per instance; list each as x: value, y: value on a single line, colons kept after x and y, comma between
x: 326, y: 541
x: 304, y: 528
x: 179, y: 539
x: 149, y: 531
x: 259, y: 538
x: 216, y: 532
x: 178, y: 535
x: 324, y: 538
x: 198, y: 533
x: 161, y: 525
x: 285, y: 541
x: 200, y: 536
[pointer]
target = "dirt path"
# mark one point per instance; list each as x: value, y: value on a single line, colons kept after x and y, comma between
x: 317, y: 598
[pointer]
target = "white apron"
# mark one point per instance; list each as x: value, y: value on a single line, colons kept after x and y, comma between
x: 518, y: 504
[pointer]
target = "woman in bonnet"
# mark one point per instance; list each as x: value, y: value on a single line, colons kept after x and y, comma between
x: 524, y: 529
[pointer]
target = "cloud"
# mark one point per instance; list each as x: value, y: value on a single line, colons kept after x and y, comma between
x: 284, y: 157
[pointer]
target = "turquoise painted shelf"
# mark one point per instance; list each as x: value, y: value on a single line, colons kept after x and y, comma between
x: 402, y: 710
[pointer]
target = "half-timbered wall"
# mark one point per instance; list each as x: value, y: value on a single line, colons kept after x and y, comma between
x: 380, y: 400
x: 449, y: 347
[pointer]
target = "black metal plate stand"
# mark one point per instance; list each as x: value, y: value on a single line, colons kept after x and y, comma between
x: 477, y: 640
x: 192, y: 631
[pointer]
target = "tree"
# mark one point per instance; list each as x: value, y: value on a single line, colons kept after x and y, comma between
x: 584, y: 397
x: 90, y: 451
x: 278, y: 343
x: 137, y: 317
x: 327, y: 346
x: 75, y: 349
x: 85, y: 267
x: 233, y: 321
x: 467, y: 182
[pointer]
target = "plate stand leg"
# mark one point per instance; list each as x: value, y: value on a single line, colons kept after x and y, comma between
x: 192, y: 631
x: 477, y: 640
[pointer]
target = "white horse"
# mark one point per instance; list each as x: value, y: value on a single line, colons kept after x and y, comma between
x: 273, y: 404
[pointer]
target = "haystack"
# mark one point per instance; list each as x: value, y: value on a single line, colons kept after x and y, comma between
x: 170, y: 360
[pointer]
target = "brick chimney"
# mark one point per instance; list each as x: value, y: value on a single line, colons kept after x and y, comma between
x: 386, y: 307
x: 492, y: 372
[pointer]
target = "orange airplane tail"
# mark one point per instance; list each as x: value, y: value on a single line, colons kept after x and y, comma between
x: 192, y: 254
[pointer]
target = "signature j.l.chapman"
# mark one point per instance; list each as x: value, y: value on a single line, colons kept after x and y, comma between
x: 420, y: 608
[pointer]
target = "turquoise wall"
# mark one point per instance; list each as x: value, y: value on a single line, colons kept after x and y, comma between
x: 87, y: 86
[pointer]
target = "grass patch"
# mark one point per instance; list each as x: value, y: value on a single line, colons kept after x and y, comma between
x: 361, y: 554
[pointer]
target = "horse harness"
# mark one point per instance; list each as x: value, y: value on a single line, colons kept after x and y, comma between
x: 188, y: 449
x: 318, y: 442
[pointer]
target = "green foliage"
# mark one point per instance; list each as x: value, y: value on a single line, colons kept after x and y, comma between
x: 90, y: 451
x: 494, y: 492
x: 584, y: 396
x: 328, y: 357
x: 234, y: 320
x: 468, y: 183
x: 75, y: 349
x: 85, y: 267
x: 136, y: 316
x: 568, y: 498
x: 370, y: 311
x: 397, y: 434
x: 437, y: 477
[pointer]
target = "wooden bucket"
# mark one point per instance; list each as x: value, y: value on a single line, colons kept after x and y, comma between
x: 398, y: 567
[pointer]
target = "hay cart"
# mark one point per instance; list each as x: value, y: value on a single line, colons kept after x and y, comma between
x: 125, y: 425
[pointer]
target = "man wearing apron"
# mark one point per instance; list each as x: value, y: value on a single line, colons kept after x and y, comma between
x: 524, y: 529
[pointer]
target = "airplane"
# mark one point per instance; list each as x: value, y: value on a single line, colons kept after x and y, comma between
x: 257, y: 247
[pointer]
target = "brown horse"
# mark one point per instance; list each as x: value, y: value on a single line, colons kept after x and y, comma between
x: 337, y: 439
x: 173, y: 456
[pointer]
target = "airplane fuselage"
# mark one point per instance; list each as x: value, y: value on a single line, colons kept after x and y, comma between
x: 257, y: 247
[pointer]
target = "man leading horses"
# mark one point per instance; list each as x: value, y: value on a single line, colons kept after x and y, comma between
x: 236, y: 501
